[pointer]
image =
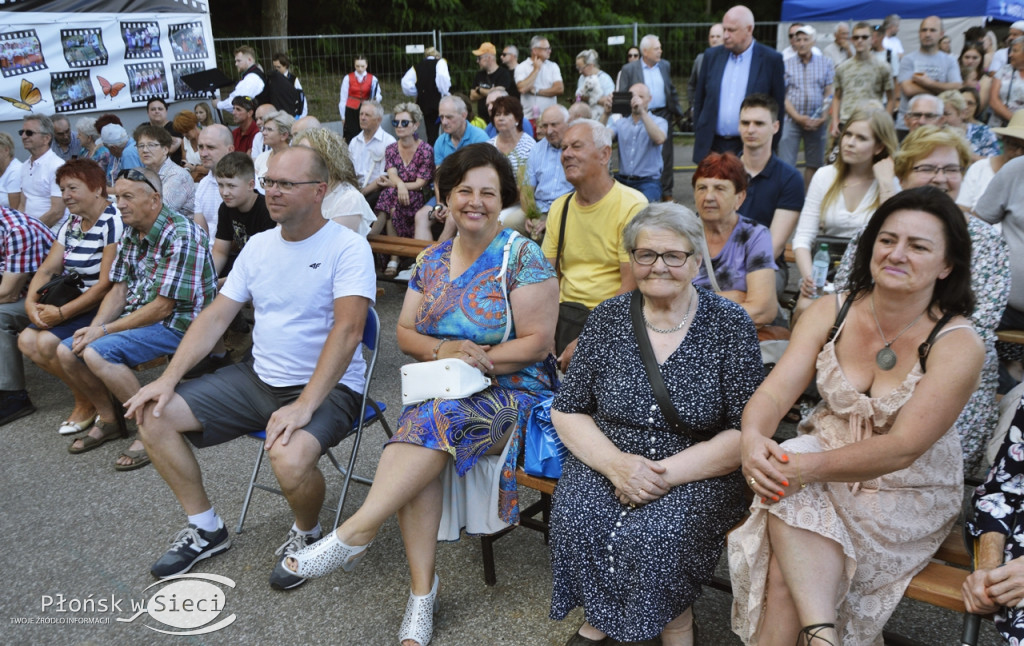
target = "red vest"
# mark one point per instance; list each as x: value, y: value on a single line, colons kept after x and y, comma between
x: 359, y: 92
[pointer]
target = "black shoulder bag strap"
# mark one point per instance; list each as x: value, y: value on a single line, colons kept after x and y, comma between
x: 839, y: 318
x: 668, y: 410
x: 561, y: 235
x: 926, y: 347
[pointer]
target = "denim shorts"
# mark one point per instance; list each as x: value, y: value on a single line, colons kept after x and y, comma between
x: 68, y: 328
x: 136, y: 346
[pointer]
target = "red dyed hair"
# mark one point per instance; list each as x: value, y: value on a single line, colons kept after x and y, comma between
x: 722, y: 166
x: 87, y: 171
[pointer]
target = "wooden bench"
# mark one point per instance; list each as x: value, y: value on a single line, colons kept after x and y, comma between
x: 938, y: 584
x: 395, y: 246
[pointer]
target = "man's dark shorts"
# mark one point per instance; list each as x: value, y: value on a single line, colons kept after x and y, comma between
x: 234, y: 401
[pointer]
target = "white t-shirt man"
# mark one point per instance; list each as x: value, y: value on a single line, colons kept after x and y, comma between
x: 368, y: 158
x: 549, y: 74
x: 294, y: 303
x: 10, y: 182
x: 39, y: 184
x: 208, y: 203
x: 940, y: 67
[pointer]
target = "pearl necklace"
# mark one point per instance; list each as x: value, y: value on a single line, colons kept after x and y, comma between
x: 686, y: 317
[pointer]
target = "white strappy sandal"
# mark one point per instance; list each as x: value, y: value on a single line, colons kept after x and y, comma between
x: 326, y: 556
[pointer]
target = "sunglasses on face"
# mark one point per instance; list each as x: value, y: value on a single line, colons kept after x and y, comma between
x: 632, y: 55
x: 861, y: 37
x: 134, y: 175
x: 400, y: 124
x: 27, y: 133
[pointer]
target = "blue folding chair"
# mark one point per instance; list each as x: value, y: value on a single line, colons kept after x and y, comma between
x: 370, y: 411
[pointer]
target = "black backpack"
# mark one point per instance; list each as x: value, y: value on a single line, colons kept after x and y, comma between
x: 280, y: 91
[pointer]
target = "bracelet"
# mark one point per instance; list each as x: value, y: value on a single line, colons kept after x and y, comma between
x: 60, y: 313
x: 104, y: 326
x: 438, y: 347
x: 799, y: 476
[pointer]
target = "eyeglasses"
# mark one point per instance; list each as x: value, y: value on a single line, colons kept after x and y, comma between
x: 948, y: 171
x: 648, y: 257
x: 150, y: 146
x: 632, y: 55
x: 921, y: 116
x: 134, y: 175
x: 28, y: 133
x: 395, y: 123
x: 282, y: 185
x: 861, y: 37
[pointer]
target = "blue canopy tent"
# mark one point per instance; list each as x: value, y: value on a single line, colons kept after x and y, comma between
x: 829, y: 10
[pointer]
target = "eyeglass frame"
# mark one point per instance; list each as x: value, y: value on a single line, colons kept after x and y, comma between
x: 933, y: 171
x: 662, y: 256
x: 920, y: 116
x: 136, y: 175
x: 401, y: 123
x: 284, y: 186
x: 24, y: 132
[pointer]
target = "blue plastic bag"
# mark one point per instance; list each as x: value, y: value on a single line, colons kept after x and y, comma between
x: 543, y: 452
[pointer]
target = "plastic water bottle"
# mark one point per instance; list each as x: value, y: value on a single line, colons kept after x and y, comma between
x: 819, y: 271
x: 823, y: 108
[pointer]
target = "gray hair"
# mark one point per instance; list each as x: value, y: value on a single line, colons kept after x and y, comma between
x: 589, y: 57
x: 7, y: 143
x: 513, y: 49
x: 413, y: 109
x: 537, y: 40
x: 155, y: 185
x: 648, y: 41
x: 45, y: 125
x: 114, y: 135
x: 457, y: 102
x: 86, y: 126
x: 601, y: 134
x: 283, y: 120
x: 377, y: 108
x: 667, y: 216
x: 1019, y: 40
x: 921, y: 97
x: 953, y: 98
x: 840, y: 24
x: 562, y: 110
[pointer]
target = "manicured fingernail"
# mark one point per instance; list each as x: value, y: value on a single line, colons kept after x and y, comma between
x: 785, y: 483
x: 764, y: 500
x: 775, y: 498
x: 785, y: 458
x: 782, y: 493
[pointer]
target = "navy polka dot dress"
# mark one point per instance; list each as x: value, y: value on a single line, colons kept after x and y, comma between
x: 634, y: 570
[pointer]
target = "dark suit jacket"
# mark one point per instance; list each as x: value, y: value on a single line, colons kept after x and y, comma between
x: 633, y: 73
x: 767, y: 76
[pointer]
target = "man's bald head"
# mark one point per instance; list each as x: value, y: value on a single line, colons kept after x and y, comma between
x: 738, y: 24
x: 305, y: 123
x: 214, y: 142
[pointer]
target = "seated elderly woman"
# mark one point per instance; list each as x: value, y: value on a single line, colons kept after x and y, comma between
x: 849, y: 510
x: 91, y: 146
x: 509, y: 338
x: 154, y: 144
x: 740, y: 250
x: 957, y: 115
x: 515, y: 144
x: 935, y: 156
x: 86, y: 244
x: 344, y: 203
x: 650, y: 485
x: 995, y: 586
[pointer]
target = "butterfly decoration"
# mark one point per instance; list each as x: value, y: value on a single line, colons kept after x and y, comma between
x: 110, y: 89
x: 30, y: 95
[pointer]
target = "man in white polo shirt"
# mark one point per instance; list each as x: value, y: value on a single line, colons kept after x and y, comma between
x: 40, y: 194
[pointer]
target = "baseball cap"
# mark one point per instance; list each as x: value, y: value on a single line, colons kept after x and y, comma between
x: 485, y: 48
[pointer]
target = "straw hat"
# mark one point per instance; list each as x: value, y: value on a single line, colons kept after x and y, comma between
x: 1013, y: 129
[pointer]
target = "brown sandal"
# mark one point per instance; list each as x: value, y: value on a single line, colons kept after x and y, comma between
x: 110, y: 431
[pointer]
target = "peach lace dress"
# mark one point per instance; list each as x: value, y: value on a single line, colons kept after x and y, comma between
x: 888, y: 527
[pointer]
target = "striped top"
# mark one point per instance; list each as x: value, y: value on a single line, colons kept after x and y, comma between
x: 83, y: 250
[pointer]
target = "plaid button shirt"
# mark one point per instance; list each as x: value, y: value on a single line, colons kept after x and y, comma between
x: 26, y: 241
x: 806, y: 82
x: 172, y: 260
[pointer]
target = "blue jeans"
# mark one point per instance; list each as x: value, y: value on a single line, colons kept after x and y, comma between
x: 649, y: 186
x: 136, y: 346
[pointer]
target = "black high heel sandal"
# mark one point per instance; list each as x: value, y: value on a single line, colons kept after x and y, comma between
x: 811, y: 632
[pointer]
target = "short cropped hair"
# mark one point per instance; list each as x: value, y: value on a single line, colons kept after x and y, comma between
x: 465, y: 159
x: 45, y: 125
x: 668, y: 216
x: 377, y: 108
x: 156, y: 133
x: 725, y: 166
x: 599, y: 133
x: 156, y: 99
x: 87, y: 171
x: 7, y: 143
x: 509, y: 105
x: 185, y: 121
x: 760, y: 100
x: 921, y: 142
x: 235, y: 164
x: 282, y: 58
x: 248, y: 51
x: 411, y: 108
x: 86, y: 126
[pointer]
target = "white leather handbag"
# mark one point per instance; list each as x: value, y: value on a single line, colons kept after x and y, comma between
x: 441, y: 379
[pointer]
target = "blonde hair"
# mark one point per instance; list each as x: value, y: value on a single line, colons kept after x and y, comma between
x: 333, y: 150
x: 884, y: 132
x: 922, y: 141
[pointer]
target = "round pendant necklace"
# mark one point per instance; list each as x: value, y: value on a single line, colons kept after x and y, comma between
x: 886, y: 358
x: 686, y: 317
